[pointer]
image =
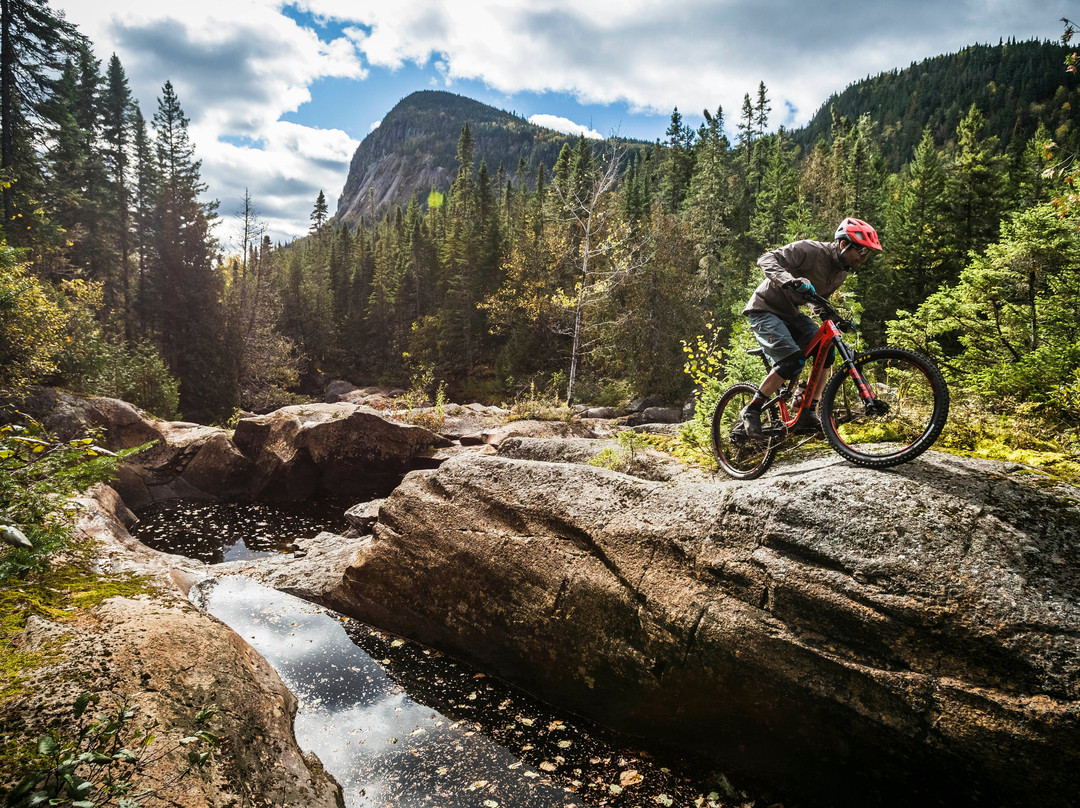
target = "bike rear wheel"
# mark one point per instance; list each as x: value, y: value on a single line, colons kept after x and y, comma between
x: 739, y: 455
x: 913, y: 405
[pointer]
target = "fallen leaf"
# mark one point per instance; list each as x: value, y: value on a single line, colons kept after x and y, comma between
x: 629, y: 778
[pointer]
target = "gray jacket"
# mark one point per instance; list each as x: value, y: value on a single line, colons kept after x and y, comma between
x: 816, y: 261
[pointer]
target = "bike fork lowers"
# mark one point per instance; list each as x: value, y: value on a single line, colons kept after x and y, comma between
x: 848, y: 356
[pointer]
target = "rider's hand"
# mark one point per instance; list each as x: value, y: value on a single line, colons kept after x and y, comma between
x: 801, y: 286
x: 845, y: 325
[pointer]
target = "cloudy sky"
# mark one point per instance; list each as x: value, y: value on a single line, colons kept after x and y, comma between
x: 280, y: 94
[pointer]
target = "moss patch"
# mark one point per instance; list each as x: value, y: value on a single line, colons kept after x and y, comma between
x: 61, y: 593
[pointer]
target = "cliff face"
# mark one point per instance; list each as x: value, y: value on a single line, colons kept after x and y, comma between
x: 414, y: 150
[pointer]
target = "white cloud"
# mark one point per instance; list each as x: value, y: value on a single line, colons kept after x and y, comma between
x: 240, y: 66
x: 566, y: 125
x: 656, y: 54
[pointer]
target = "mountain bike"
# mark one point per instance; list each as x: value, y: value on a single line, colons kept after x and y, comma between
x: 880, y: 408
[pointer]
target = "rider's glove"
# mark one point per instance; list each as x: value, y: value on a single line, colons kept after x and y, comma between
x: 801, y: 286
x: 846, y: 326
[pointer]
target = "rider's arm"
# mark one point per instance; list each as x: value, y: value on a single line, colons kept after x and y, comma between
x: 784, y: 264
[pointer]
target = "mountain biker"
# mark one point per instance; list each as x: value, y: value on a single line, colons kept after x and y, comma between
x: 778, y: 325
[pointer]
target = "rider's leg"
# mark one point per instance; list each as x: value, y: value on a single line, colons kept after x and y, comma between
x: 784, y: 371
x: 778, y: 341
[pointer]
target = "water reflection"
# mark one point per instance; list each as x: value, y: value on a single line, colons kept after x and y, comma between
x: 215, y: 532
x: 456, y: 739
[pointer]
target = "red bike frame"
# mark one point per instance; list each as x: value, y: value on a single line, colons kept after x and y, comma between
x: 827, y: 336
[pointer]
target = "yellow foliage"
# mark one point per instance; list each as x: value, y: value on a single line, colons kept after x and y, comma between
x: 32, y: 324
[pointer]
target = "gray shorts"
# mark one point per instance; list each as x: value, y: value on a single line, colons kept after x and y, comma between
x: 781, y: 338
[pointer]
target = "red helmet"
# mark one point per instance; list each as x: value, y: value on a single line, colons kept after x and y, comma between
x: 859, y: 233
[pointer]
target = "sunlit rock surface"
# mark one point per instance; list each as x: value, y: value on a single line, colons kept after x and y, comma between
x: 828, y: 620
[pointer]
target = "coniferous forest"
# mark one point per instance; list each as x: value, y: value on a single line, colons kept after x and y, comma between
x: 617, y: 270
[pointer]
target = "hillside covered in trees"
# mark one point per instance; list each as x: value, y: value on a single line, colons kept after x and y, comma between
x: 1018, y: 86
x: 585, y: 270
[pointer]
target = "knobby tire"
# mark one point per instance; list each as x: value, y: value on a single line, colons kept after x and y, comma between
x: 916, y: 395
x: 738, y: 456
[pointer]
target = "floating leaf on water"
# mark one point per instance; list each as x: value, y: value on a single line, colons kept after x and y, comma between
x: 565, y: 744
x: 397, y: 643
x: 526, y: 721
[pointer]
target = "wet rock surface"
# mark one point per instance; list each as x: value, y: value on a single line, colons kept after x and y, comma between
x: 401, y: 724
x: 919, y: 623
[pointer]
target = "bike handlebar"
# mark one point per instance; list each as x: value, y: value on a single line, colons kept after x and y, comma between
x: 827, y: 311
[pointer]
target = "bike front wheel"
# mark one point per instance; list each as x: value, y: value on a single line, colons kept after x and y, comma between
x: 743, y: 456
x: 909, y: 412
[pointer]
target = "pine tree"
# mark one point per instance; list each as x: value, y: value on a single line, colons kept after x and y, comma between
x: 35, y: 42
x: 778, y: 194
x: 117, y: 116
x: 678, y: 163
x: 976, y: 186
x: 186, y: 291
x: 922, y: 253
x: 143, y: 222
x: 319, y: 213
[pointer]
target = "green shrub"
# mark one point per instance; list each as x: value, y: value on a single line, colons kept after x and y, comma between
x: 101, y: 761
x: 38, y: 475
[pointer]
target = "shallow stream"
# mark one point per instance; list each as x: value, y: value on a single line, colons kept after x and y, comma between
x: 399, y: 724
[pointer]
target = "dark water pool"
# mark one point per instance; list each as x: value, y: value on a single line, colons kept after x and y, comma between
x: 401, y: 725
x: 216, y: 532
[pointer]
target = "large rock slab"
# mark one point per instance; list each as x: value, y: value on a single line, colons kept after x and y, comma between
x: 338, y: 448
x: 823, y: 622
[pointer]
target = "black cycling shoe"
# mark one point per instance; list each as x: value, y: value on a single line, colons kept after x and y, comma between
x: 809, y: 423
x: 750, y: 422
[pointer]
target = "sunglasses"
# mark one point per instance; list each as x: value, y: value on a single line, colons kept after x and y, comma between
x: 863, y: 251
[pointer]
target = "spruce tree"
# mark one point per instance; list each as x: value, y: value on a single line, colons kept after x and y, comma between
x: 976, y: 186
x: 117, y: 118
x: 35, y: 42
x: 319, y: 213
x: 186, y: 291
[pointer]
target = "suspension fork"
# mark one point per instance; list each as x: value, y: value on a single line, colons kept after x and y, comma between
x: 848, y: 357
